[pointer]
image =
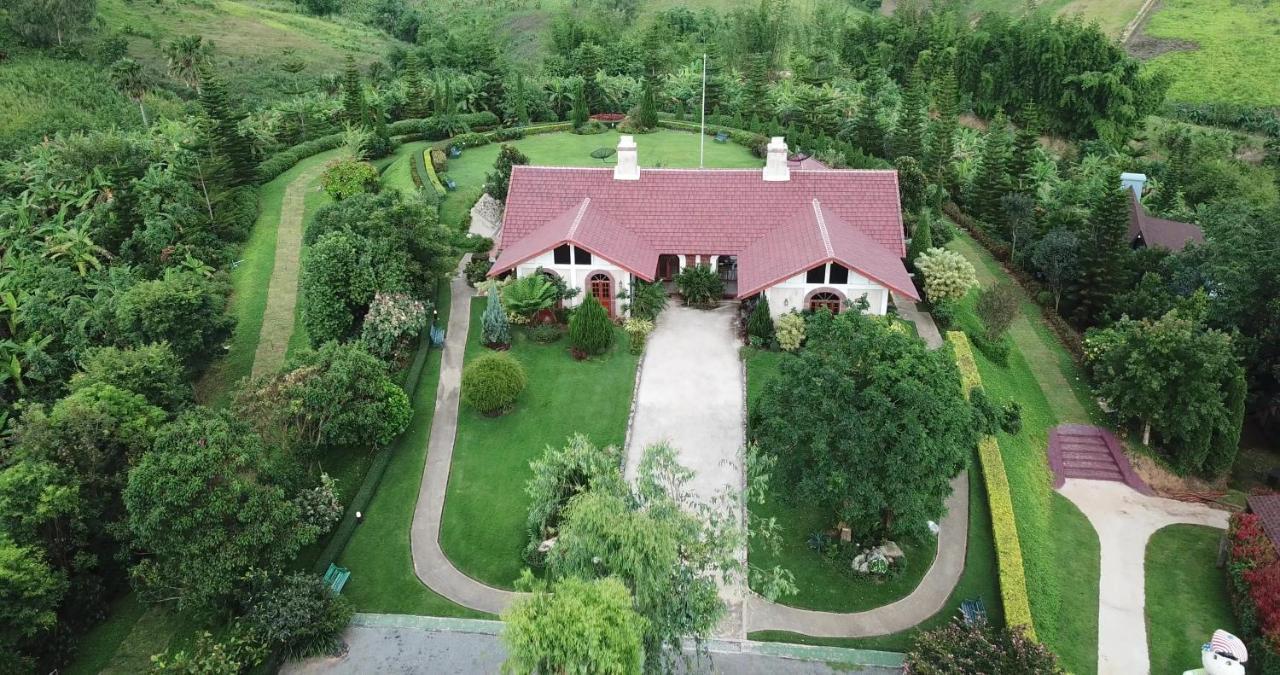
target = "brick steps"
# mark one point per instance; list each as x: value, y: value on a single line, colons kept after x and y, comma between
x: 1079, y: 451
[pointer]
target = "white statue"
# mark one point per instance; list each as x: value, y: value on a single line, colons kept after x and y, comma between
x: 1224, y: 654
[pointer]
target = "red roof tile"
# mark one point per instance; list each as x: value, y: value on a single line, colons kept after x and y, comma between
x: 1268, y: 509
x: 1169, y: 234
x: 710, y: 212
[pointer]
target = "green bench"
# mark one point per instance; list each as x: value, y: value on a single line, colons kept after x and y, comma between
x: 336, y: 577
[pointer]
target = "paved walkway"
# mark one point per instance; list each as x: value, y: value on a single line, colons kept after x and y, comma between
x: 925, y: 327
x: 390, y: 643
x: 282, y: 292
x: 691, y: 396
x: 429, y: 561
x: 1125, y: 520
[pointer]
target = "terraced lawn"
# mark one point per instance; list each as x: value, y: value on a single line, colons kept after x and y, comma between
x: 483, y: 526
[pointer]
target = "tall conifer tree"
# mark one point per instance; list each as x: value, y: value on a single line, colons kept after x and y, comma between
x: 942, y: 143
x: 992, y: 179
x: 1102, y: 250
x: 222, y: 128
x: 908, y: 137
x: 352, y: 95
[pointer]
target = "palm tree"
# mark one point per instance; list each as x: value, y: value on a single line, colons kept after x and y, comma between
x: 185, y: 55
x: 129, y: 78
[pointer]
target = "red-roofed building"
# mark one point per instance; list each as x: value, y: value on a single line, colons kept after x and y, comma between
x: 1147, y: 230
x: 805, y: 238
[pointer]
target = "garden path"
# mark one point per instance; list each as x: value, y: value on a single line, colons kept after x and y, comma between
x: 1125, y: 519
x: 430, y: 563
x: 282, y: 292
x: 691, y: 396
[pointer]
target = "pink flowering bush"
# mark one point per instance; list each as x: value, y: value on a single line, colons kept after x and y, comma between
x: 394, y: 319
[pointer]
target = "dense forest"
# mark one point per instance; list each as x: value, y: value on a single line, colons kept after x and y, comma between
x: 129, y: 174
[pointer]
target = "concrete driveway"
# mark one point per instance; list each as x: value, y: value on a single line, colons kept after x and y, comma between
x: 690, y: 395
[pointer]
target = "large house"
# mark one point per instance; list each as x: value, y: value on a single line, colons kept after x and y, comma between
x: 805, y: 238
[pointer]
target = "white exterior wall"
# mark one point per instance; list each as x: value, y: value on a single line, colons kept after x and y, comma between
x: 790, y: 294
x: 576, y: 276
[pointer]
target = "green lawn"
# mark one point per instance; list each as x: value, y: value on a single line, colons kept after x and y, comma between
x: 1186, y: 596
x: 661, y: 148
x: 1237, y: 53
x: 821, y: 584
x: 1059, y: 547
x: 483, y: 528
x: 314, y: 199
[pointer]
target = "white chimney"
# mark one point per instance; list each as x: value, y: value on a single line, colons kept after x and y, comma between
x: 628, y: 166
x: 775, y: 166
x: 1135, y: 182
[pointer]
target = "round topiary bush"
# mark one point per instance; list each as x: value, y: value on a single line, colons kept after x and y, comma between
x: 492, y: 381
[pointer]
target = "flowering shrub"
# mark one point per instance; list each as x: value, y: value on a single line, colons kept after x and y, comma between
x: 394, y: 319
x: 1255, y: 590
x: 638, y: 330
x: 789, y: 330
x: 947, y: 275
x: 960, y: 649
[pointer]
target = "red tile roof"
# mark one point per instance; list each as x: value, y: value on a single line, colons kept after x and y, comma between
x: 1268, y: 509
x: 1168, y: 234
x: 710, y: 212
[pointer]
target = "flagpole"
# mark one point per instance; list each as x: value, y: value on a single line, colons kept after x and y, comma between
x: 702, y: 133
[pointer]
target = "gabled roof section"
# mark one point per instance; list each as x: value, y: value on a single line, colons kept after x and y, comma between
x: 1158, y: 232
x: 813, y: 236
x: 589, y: 227
x: 1268, y: 509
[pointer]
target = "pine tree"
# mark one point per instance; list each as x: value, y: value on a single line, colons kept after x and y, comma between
x: 590, y: 331
x: 494, y: 324
x: 921, y: 239
x: 222, y: 128
x: 521, y: 105
x: 755, y: 90
x: 867, y: 132
x: 1025, y: 143
x: 992, y: 178
x: 647, y: 115
x: 417, y: 104
x: 352, y: 94
x: 942, y: 143
x: 715, y: 81
x: 1102, y: 250
x: 912, y: 113
x: 760, y: 323
x: 580, y: 113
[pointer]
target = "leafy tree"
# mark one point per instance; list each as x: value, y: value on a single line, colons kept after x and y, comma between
x: 222, y: 129
x: 498, y: 180
x: 759, y: 322
x: 335, y: 286
x: 574, y: 626
x: 29, y: 595
x: 979, y: 649
x: 41, y: 23
x: 299, y: 615
x: 887, y: 478
x: 133, y: 82
x: 321, y: 7
x: 590, y: 331
x: 152, y: 371
x: 349, y: 176
x: 947, y: 275
x: 1019, y: 211
x: 992, y: 178
x: 1101, y: 252
x: 562, y: 474
x: 1056, y: 257
x: 494, y: 324
x: 207, y: 468
x: 492, y: 381
x: 352, y: 93
x: 1176, y: 378
x: 185, y: 56
x: 338, y: 396
x: 998, y: 307
x: 185, y: 309
x: 647, y: 114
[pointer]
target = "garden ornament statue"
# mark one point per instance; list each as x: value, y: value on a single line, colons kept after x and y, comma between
x: 1224, y: 654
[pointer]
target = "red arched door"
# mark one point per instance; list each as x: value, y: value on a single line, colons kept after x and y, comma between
x: 602, y: 288
x: 824, y: 300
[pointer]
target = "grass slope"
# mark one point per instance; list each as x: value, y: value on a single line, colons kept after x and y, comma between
x: 821, y: 584
x: 676, y: 149
x: 1238, y: 53
x: 1060, y: 548
x: 483, y: 528
x: 1186, y: 596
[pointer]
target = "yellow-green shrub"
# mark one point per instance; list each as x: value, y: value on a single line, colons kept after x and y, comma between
x: 1013, y: 579
x: 431, y: 173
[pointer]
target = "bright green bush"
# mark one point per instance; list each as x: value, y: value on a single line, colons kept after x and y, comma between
x: 348, y: 176
x: 590, y: 331
x: 492, y: 381
x: 947, y: 275
x: 700, y: 285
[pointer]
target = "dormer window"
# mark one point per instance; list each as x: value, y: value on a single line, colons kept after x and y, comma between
x: 561, y: 255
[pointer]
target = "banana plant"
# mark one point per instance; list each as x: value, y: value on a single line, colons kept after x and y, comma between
x: 75, y: 245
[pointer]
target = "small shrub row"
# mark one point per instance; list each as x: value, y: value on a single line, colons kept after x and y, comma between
x: 429, y: 169
x: 471, y: 140
x: 436, y: 128
x: 285, y: 159
x: 1013, y: 580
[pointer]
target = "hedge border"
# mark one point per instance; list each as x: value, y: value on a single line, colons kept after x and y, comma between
x: 1013, y: 576
x: 429, y: 170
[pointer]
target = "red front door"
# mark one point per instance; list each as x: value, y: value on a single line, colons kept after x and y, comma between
x: 668, y: 266
x: 601, y: 288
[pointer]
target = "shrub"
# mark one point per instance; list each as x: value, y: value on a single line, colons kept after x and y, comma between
x: 979, y: 649
x: 285, y: 159
x: 433, y: 175
x: 394, y: 319
x: 208, y: 656
x: 439, y: 160
x: 760, y: 323
x: 647, y: 300
x: 529, y: 295
x: 790, y: 331
x: 507, y: 134
x: 591, y: 128
x: 947, y: 275
x: 494, y: 323
x: 152, y: 371
x: 700, y: 285
x: 437, y: 128
x: 345, y: 177
x: 476, y: 244
x: 545, y: 334
x: 997, y: 307
x: 470, y: 140
x: 638, y: 330
x: 1254, y: 571
x: 590, y: 331
x: 477, y: 270
x: 561, y: 474
x: 298, y: 615
x: 492, y: 381
x: 185, y: 309
x: 498, y: 180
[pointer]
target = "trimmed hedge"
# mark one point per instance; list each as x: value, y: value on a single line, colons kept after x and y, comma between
x: 284, y: 160
x: 436, y: 128
x: 423, y: 161
x: 1013, y: 579
x: 754, y: 142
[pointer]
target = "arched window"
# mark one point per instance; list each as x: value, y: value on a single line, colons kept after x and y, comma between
x: 824, y: 300
x: 602, y: 288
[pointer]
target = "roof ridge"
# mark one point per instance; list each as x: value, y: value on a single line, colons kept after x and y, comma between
x: 822, y: 228
x: 577, y: 220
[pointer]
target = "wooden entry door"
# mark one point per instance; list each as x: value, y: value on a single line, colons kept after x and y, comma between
x: 602, y: 290
x: 668, y: 266
x: 827, y: 301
